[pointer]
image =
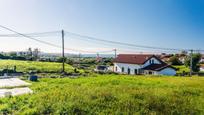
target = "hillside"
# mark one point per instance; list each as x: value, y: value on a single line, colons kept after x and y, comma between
x: 26, y: 66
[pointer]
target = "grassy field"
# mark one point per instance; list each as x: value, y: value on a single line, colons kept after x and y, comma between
x: 110, y: 94
x: 26, y: 66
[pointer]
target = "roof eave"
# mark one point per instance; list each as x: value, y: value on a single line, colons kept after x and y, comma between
x: 128, y: 63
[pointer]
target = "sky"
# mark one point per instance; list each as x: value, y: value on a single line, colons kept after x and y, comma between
x: 159, y: 23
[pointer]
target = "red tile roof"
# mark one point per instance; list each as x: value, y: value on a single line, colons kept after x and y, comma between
x: 133, y: 58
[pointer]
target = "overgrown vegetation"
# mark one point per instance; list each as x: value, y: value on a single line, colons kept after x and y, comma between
x: 182, y: 69
x: 174, y: 60
x: 195, y: 62
x: 110, y: 94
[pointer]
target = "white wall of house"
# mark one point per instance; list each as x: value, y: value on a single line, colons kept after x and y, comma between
x: 132, y: 67
x: 202, y: 60
x: 202, y: 69
x: 152, y: 72
x: 167, y: 71
x: 153, y: 60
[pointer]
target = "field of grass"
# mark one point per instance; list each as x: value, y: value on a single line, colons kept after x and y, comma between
x: 111, y: 94
x: 27, y: 66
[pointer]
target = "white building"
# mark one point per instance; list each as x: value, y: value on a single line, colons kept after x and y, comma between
x: 141, y: 64
x: 101, y: 68
x: 202, y: 68
x: 202, y: 59
x: 22, y: 53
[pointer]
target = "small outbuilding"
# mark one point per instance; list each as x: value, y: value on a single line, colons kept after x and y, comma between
x: 101, y: 68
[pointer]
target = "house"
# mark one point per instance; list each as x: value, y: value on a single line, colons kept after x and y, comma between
x: 202, y: 59
x: 202, y: 68
x: 165, y: 57
x: 141, y: 64
x: 182, y: 57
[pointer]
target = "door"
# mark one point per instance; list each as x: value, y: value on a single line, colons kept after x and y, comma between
x: 123, y: 69
x: 128, y: 70
x: 136, y: 72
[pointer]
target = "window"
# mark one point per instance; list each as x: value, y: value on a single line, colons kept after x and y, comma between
x: 152, y: 61
x: 123, y: 69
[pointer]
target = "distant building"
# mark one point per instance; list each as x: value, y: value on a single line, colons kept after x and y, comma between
x: 202, y: 59
x: 202, y: 68
x: 48, y: 58
x: 182, y: 57
x: 141, y: 64
x: 22, y: 53
x: 101, y: 68
x: 165, y: 57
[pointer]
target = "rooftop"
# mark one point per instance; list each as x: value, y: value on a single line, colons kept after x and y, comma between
x: 133, y: 58
x: 157, y: 67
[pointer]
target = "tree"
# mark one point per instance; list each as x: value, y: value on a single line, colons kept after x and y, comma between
x: 60, y: 59
x: 2, y: 56
x: 29, y: 54
x: 195, y: 62
x: 69, y: 61
x: 174, y: 60
x: 36, y: 53
x: 12, y: 54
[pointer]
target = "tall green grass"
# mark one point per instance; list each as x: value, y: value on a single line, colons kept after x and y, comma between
x: 111, y: 94
x: 27, y: 66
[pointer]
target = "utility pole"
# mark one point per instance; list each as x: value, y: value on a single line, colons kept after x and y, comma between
x: 63, y: 59
x: 79, y: 57
x: 97, y: 57
x: 191, y: 62
x: 115, y: 51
